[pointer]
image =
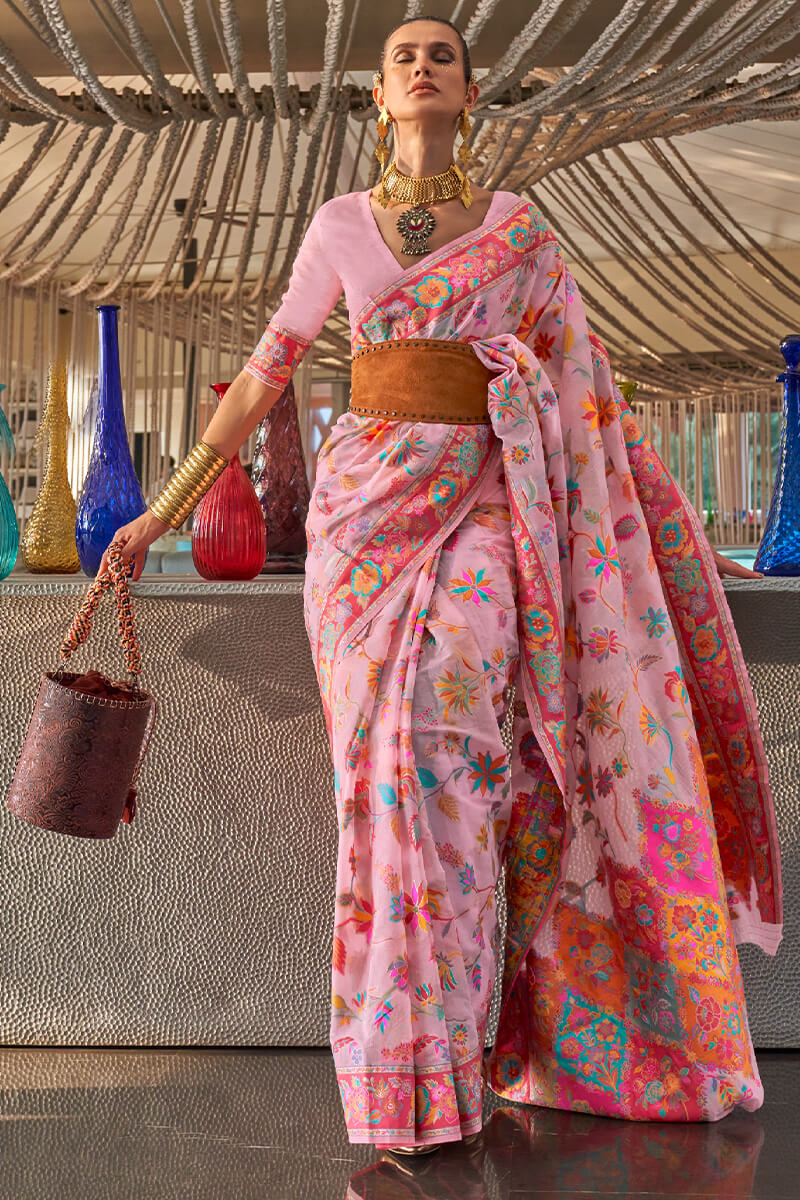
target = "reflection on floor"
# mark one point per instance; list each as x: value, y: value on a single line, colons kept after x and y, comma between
x: 233, y: 1124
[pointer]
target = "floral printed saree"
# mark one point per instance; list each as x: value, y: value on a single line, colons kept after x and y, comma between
x: 550, y: 552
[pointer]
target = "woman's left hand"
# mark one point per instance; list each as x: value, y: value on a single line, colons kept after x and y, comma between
x: 727, y: 566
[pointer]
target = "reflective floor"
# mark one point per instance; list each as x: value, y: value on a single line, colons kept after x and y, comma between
x: 239, y: 1124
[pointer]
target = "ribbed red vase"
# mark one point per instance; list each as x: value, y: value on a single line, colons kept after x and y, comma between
x: 229, y: 537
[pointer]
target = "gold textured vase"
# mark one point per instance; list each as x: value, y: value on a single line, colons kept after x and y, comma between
x: 48, y: 542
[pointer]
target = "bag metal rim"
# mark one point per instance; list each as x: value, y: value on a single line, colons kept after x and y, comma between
x: 143, y: 700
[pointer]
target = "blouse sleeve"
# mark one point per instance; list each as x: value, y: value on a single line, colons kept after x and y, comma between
x: 314, y: 287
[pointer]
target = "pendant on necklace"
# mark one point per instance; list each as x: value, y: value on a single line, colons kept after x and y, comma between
x: 416, y: 225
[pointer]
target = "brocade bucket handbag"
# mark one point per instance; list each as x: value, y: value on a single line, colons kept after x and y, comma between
x: 88, y: 734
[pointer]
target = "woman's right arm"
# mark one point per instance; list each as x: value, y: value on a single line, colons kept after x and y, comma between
x: 244, y: 405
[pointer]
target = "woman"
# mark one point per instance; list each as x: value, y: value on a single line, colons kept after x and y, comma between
x: 489, y: 513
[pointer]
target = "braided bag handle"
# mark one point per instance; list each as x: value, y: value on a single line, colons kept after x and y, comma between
x: 116, y: 577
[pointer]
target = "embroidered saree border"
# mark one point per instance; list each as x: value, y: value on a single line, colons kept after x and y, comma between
x: 459, y: 256
x: 277, y: 355
x: 721, y: 695
x: 439, y: 1103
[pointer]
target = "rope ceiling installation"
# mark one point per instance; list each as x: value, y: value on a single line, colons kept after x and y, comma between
x: 617, y: 92
x: 552, y: 133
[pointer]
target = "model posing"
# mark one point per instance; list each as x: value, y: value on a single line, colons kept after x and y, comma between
x: 489, y: 512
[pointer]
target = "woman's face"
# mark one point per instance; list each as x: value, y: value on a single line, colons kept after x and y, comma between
x: 423, y: 73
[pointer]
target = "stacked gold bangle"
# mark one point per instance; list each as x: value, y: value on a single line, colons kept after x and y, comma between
x: 188, y: 485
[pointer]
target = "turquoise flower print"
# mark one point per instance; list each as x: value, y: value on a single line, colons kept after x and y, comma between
x: 536, y: 219
x: 433, y: 290
x: 473, y: 586
x: 467, y: 879
x: 649, y: 727
x: 468, y: 456
x: 382, y: 1015
x: 538, y: 623
x: 442, y: 491
x: 687, y: 575
x: 671, y: 829
x: 584, y: 779
x: 403, y: 452
x: 546, y: 666
x: 377, y: 328
x: 502, y: 398
x: 487, y: 772
x: 657, y: 621
x: 510, y: 1069
x: 366, y: 578
x: 671, y: 535
x: 603, y: 558
x: 516, y: 236
x: 460, y: 1036
x: 547, y: 398
x: 732, y: 1022
x: 705, y: 643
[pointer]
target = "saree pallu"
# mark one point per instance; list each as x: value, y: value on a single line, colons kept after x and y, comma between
x: 550, y: 549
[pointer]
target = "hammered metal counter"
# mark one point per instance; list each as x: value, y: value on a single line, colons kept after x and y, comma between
x: 208, y: 920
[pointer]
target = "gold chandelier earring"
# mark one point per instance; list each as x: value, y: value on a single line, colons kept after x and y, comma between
x: 382, y: 152
x: 465, y: 154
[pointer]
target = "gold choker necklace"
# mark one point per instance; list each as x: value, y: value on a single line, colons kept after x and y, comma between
x: 426, y: 189
x: 416, y: 224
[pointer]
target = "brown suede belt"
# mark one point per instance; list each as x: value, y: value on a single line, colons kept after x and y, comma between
x: 420, y: 379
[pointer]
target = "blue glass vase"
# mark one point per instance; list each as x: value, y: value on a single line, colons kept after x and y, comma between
x: 111, y: 495
x: 779, y: 551
x: 9, y: 530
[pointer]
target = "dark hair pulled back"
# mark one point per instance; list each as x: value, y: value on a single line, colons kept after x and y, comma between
x: 467, y: 65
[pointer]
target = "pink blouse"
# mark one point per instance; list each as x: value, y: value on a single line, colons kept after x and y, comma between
x: 343, y: 250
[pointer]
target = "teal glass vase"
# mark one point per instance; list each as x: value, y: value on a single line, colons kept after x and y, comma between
x: 9, y: 530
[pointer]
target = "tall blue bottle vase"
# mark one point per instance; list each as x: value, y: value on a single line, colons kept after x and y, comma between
x: 779, y: 550
x: 111, y: 495
x: 9, y: 530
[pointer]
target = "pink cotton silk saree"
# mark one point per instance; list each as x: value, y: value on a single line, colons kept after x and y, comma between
x: 551, y: 549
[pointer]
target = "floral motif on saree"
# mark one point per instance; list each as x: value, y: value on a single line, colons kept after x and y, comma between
x: 634, y: 818
x: 277, y: 355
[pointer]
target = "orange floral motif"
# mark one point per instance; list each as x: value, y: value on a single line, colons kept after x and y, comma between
x: 543, y: 346
x: 607, y: 411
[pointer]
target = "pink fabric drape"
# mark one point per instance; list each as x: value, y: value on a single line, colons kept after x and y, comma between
x: 634, y: 820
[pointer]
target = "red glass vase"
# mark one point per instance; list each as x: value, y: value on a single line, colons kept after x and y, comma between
x: 229, y: 537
